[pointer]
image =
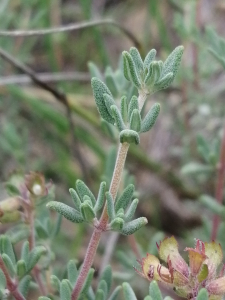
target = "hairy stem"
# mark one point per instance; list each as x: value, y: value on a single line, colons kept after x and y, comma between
x: 11, y: 285
x: 141, y: 99
x: 95, y: 238
x: 219, y: 186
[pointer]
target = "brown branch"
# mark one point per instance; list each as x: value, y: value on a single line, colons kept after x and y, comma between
x: 71, y: 27
x: 11, y: 285
x: 59, y: 95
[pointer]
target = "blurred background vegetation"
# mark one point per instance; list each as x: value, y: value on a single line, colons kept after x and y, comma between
x: 171, y: 167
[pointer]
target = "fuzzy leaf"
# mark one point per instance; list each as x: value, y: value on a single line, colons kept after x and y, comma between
x: 117, y: 117
x: 164, y: 82
x: 131, y: 210
x: 21, y: 268
x: 172, y: 62
x: 126, y: 71
x: 108, y: 103
x: 132, y: 105
x: 131, y: 227
x: 125, y: 198
x: 101, y: 197
x: 9, y: 264
x: 129, y: 136
x: 107, y: 276
x: 202, y: 295
x: 72, y: 272
x: 137, y: 60
x: 103, y: 286
x: 55, y: 282
x: 24, y: 285
x: 87, y: 211
x: 124, y: 109
x: 148, y: 298
x: 68, y: 212
x: 115, y: 293
x: 154, y: 291
x: 110, y: 206
x: 6, y: 247
x: 149, y: 58
x: 100, y: 295
x: 65, y: 291
x: 25, y: 252
x: 75, y: 198
x: 132, y: 72
x: 34, y: 257
x: 128, y: 292
x: 135, y: 120
x: 150, y: 118
x: 153, y: 74
x: 99, y: 89
x: 84, y: 190
x: 117, y: 224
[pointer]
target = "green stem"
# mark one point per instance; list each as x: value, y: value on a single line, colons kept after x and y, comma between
x: 95, y: 238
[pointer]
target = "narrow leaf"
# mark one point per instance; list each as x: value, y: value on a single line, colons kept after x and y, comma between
x: 6, y: 247
x: 21, y: 268
x: 100, y: 295
x: 125, y: 198
x: 24, y: 285
x: 135, y: 120
x: 65, y: 291
x: 103, y: 286
x: 110, y: 206
x: 131, y: 210
x: 2, y: 280
x: 132, y: 105
x: 75, y: 198
x: 117, y: 224
x: 173, y: 61
x: 25, y: 252
x: 34, y: 257
x: 149, y: 58
x: 150, y: 118
x: 124, y: 109
x: 55, y: 282
x: 115, y: 293
x: 9, y: 264
x: 154, y: 291
x: 133, y: 75
x: 99, y: 89
x: 87, y: 212
x: 131, y: 227
x: 107, y: 276
x: 137, y: 60
x: 101, y: 197
x: 68, y: 212
x: 72, y: 272
x: 128, y: 292
x: 117, y: 117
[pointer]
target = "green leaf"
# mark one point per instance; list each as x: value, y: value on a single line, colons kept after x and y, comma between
x: 137, y: 60
x: 7, y: 248
x: 87, y: 212
x: 11, y: 189
x: 25, y: 252
x: 21, y: 269
x: 202, y: 295
x: 163, y: 83
x: 172, y: 62
x: 103, y: 286
x: 111, y: 82
x: 117, y: 117
x: 132, y: 226
x: 110, y: 206
x: 68, y: 212
x: 101, y: 197
x: 9, y: 264
x: 125, y: 198
x: 24, y: 285
x: 72, y: 272
x: 124, y: 109
x: 99, y: 89
x: 132, y: 105
x: 117, y: 224
x: 100, y: 295
x: 154, y: 291
x: 212, y: 204
x: 75, y: 198
x: 129, y: 136
x: 115, y: 293
x: 148, y: 298
x: 150, y: 118
x: 149, y: 58
x: 131, y: 71
x: 128, y: 292
x: 2, y: 280
x: 34, y: 257
x: 84, y: 190
x: 131, y: 210
x: 109, y: 101
x: 135, y: 120
x: 107, y: 276
x: 153, y: 74
x: 65, y: 291
x: 55, y: 282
